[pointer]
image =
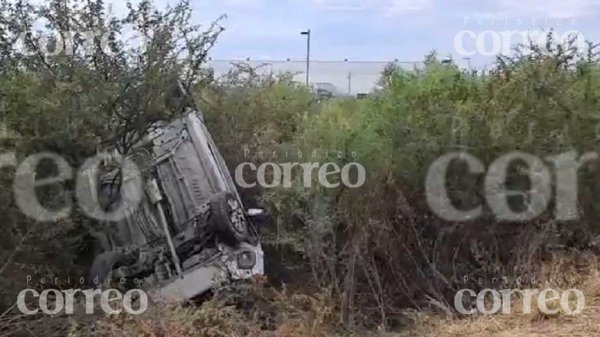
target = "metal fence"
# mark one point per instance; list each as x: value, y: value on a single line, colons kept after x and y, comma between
x: 348, y: 77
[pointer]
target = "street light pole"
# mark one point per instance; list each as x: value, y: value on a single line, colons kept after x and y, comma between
x: 307, y: 33
x: 468, y: 59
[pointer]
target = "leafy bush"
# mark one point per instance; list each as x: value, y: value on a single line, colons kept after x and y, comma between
x: 376, y: 249
x: 380, y: 247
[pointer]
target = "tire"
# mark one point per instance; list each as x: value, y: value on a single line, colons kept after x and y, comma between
x: 101, y: 270
x: 228, y: 218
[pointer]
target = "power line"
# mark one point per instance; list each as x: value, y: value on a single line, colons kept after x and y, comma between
x: 315, y: 61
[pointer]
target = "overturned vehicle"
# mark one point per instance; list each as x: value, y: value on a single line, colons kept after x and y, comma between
x: 189, y: 230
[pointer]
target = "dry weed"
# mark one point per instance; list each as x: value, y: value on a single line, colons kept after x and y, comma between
x: 519, y: 324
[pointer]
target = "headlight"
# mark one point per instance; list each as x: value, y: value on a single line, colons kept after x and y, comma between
x: 246, y: 260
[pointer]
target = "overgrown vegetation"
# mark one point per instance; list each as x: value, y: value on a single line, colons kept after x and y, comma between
x: 370, y: 253
x: 102, y: 89
x: 379, y: 248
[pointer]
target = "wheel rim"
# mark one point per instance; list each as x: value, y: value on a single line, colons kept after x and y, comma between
x: 236, y: 216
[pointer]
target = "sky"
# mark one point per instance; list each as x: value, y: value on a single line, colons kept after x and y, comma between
x: 378, y: 30
x: 469, y: 31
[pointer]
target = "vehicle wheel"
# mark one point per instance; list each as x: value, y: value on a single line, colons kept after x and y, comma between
x: 228, y: 217
x: 101, y: 270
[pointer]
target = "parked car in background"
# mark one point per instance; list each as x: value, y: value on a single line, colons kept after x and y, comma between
x: 324, y: 90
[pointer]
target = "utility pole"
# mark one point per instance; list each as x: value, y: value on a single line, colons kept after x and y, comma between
x: 307, y: 33
x: 349, y: 83
x: 468, y: 59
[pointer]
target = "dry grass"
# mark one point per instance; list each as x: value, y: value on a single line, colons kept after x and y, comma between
x: 586, y: 324
x: 518, y: 324
x: 277, y: 313
x: 273, y: 313
x: 206, y: 321
x: 308, y: 316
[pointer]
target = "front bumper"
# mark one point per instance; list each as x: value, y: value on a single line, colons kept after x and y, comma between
x: 198, y: 280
